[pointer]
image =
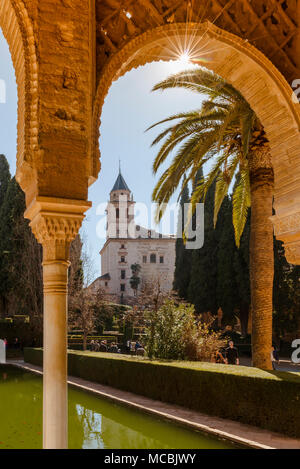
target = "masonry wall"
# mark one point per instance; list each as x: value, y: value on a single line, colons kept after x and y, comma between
x: 135, y: 250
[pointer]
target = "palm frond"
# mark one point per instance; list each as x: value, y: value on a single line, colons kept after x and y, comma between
x: 223, y: 184
x: 219, y: 131
x: 180, y: 115
x: 174, y: 139
x: 241, y: 201
x: 171, y: 177
x: 247, y: 123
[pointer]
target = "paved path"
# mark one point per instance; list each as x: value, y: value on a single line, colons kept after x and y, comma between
x: 284, y: 365
x: 234, y: 431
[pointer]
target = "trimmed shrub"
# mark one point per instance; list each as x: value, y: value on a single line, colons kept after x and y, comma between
x: 33, y: 356
x: 265, y: 399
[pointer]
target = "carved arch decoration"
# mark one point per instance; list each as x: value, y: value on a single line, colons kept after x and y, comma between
x: 250, y: 71
x: 18, y: 31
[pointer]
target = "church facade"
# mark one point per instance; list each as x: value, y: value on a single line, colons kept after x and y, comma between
x: 127, y: 244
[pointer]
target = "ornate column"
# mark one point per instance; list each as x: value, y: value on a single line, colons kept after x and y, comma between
x: 55, y: 223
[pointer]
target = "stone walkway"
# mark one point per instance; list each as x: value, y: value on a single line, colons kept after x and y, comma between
x: 284, y: 365
x: 234, y: 431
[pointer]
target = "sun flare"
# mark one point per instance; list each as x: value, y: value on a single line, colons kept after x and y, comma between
x: 183, y: 62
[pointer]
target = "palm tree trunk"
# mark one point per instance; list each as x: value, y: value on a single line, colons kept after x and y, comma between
x: 261, y: 256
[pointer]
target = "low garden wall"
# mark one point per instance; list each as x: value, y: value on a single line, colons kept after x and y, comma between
x: 249, y: 395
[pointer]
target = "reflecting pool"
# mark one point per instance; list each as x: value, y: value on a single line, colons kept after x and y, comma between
x: 93, y: 422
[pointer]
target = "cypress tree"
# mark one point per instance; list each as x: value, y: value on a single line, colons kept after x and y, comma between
x: 20, y: 260
x: 282, y: 293
x: 183, y: 257
x: 76, y: 274
x: 241, y: 263
x: 202, y: 287
x: 294, y: 282
x: 242, y: 277
x: 5, y: 177
x: 198, y: 178
x: 226, y: 282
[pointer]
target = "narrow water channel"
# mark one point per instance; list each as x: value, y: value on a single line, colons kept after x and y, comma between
x: 93, y: 422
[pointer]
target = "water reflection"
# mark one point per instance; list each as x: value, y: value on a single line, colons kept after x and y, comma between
x: 93, y: 422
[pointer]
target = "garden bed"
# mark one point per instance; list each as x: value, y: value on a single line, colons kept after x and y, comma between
x: 268, y: 400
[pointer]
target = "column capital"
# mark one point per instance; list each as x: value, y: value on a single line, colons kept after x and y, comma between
x: 55, y: 222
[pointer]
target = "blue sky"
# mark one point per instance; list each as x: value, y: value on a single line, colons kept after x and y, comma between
x: 129, y: 109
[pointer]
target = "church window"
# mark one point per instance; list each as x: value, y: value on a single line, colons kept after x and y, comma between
x: 144, y: 259
x: 153, y: 258
x: 138, y: 227
x: 122, y: 258
x: 122, y: 286
x: 123, y: 274
x: 117, y: 213
x: 161, y: 259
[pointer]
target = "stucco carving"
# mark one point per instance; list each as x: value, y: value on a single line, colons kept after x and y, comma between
x: 286, y: 224
x: 49, y: 227
x: 55, y: 233
x: 55, y: 223
x: 292, y: 252
x: 18, y: 30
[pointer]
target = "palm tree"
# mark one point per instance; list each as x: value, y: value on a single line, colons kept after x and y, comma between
x: 135, y: 279
x: 226, y: 132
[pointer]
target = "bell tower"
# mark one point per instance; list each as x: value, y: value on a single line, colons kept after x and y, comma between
x: 120, y: 209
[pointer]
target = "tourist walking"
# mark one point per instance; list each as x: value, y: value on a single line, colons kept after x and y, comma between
x: 232, y: 354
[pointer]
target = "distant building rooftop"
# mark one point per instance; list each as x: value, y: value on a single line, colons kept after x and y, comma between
x: 120, y: 184
x: 104, y: 277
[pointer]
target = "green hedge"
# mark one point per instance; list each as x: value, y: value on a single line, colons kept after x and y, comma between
x: 269, y: 400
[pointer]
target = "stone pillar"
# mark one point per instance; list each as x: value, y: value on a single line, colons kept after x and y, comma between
x: 55, y: 403
x: 55, y: 223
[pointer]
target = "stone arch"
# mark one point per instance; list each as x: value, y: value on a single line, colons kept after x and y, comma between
x: 18, y: 31
x: 252, y: 74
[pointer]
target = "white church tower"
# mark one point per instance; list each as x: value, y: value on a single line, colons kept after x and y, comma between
x: 120, y: 210
x: 127, y: 244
